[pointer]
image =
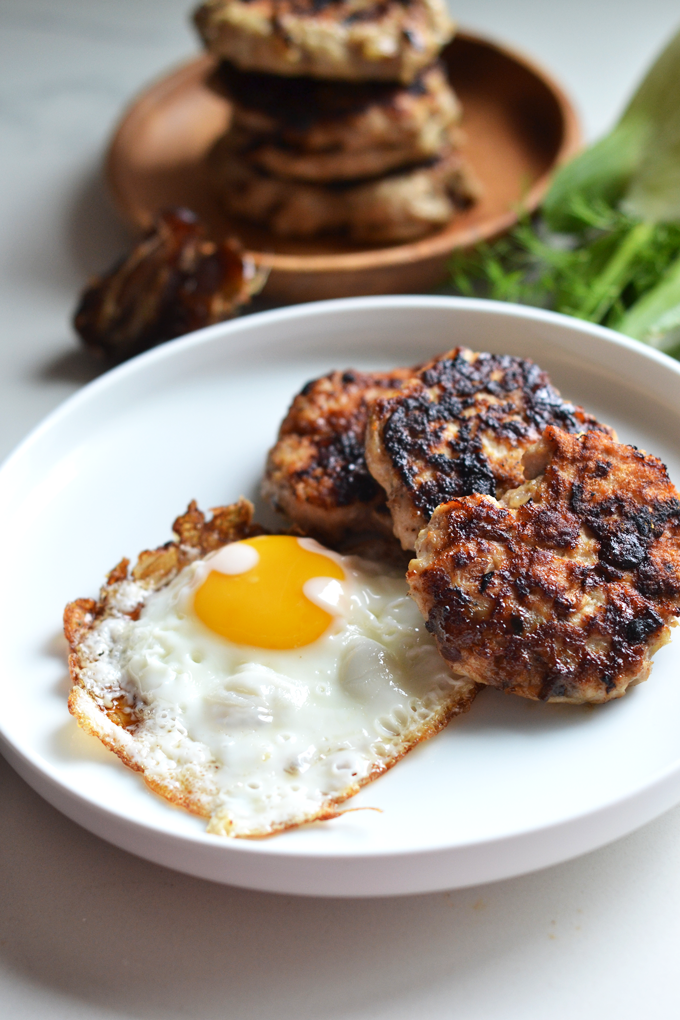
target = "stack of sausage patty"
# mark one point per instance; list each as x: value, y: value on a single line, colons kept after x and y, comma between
x: 343, y: 118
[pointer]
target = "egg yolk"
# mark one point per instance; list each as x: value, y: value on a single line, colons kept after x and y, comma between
x: 265, y: 605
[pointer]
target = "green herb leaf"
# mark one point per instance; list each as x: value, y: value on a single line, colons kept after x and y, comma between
x: 638, y: 162
x: 655, y: 317
x: 606, y: 244
x: 600, y: 174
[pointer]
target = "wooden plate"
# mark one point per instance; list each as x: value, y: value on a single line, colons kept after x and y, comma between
x: 518, y: 123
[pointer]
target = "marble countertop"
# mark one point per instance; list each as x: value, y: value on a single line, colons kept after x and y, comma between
x: 88, y: 931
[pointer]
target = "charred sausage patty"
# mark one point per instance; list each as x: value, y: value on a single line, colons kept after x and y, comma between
x: 461, y: 426
x: 564, y: 588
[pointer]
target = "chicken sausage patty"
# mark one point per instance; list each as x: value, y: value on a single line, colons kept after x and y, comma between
x: 461, y: 426
x: 564, y: 588
x: 400, y: 206
x: 316, y: 473
x: 349, y: 39
x: 314, y: 130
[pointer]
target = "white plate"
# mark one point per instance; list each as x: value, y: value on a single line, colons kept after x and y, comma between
x: 511, y: 787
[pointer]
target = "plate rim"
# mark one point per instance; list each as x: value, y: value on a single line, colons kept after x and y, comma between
x: 207, y: 333
x: 42, y: 776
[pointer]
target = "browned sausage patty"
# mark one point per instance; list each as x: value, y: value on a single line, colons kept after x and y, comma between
x: 349, y: 39
x: 565, y: 588
x: 313, y: 130
x: 316, y: 473
x: 461, y: 426
x: 400, y: 206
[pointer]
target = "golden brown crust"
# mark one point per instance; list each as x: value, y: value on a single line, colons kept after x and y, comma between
x: 564, y: 589
x: 316, y: 473
x: 347, y: 39
x: 461, y: 426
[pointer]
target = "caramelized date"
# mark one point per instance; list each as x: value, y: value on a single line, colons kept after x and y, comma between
x: 174, y: 280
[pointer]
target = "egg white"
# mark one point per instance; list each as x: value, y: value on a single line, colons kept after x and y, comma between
x: 272, y: 738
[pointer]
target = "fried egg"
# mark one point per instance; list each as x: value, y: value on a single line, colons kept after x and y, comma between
x: 265, y: 683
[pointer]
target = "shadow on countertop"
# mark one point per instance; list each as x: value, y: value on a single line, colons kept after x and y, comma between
x: 95, y: 932
x: 77, y: 366
x: 95, y: 234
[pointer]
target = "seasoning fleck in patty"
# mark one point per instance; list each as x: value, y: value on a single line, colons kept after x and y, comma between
x: 313, y: 130
x: 461, y: 426
x: 389, y: 40
x: 565, y: 588
x: 316, y: 473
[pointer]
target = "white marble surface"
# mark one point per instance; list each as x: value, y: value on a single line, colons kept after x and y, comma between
x: 89, y: 931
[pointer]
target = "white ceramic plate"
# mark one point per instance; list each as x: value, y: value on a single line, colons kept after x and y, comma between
x: 511, y: 787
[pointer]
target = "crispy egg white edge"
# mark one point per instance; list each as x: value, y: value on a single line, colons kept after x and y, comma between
x: 191, y: 782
